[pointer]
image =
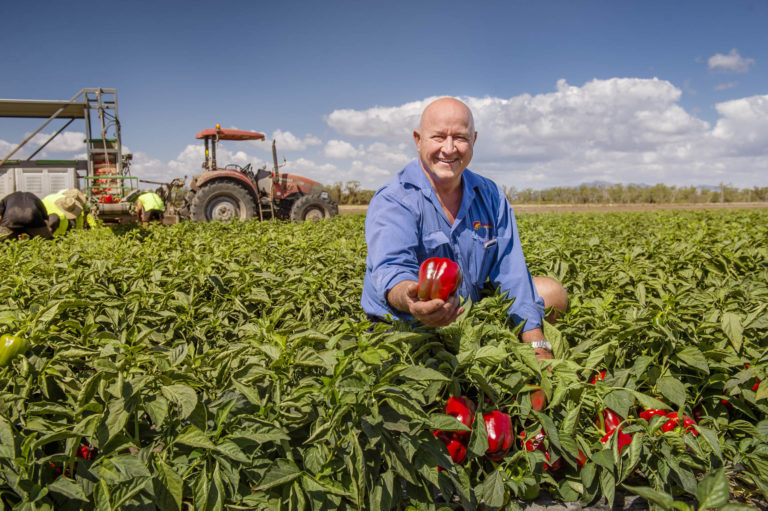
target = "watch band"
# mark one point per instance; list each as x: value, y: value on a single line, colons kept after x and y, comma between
x: 543, y: 343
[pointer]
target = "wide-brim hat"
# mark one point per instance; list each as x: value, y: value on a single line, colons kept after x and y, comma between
x: 75, y: 194
x: 70, y: 207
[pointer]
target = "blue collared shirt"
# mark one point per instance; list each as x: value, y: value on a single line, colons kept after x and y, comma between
x: 406, y: 225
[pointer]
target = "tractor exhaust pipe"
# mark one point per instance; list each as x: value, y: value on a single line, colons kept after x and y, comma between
x: 276, y: 173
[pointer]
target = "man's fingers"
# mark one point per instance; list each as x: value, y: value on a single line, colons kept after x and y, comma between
x: 437, y: 312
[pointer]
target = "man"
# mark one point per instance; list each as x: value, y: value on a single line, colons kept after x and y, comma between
x: 64, y: 209
x: 149, y: 206
x: 22, y: 213
x: 436, y: 207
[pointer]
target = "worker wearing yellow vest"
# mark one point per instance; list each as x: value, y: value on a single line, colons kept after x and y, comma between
x: 64, y: 208
x: 149, y: 206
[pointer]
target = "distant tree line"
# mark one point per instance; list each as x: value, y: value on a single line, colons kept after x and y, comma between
x: 351, y: 193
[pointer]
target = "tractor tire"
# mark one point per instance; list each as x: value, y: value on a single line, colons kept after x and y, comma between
x: 312, y: 207
x: 222, y: 201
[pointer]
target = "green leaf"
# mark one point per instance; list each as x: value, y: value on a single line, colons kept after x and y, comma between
x: 672, y: 389
x: 691, y: 356
x: 445, y: 422
x: 620, y: 401
x: 423, y: 374
x: 68, y: 488
x: 664, y: 500
x: 712, y: 492
x: 491, y: 355
x: 731, y: 325
x: 168, y: 486
x: 194, y: 437
x: 647, y: 401
x: 232, y: 451
x: 281, y: 473
x: 101, y: 496
x: 494, y: 488
x: 182, y: 395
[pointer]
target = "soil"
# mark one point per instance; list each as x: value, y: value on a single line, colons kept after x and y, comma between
x: 600, y: 208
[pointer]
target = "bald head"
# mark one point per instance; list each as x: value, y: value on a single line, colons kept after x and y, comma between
x: 445, y: 141
x: 447, y: 107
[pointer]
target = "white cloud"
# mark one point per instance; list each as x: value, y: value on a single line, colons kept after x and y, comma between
x: 340, y: 150
x: 188, y: 163
x: 725, y: 86
x: 287, y: 141
x: 389, y: 123
x: 617, y: 130
x: 733, y: 62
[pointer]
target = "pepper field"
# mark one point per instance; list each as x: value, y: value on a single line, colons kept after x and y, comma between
x: 229, y: 366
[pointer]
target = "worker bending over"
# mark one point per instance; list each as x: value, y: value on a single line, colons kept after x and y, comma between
x: 65, y: 210
x: 149, y: 206
x: 23, y: 214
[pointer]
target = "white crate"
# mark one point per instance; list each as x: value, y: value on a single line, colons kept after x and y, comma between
x: 39, y: 181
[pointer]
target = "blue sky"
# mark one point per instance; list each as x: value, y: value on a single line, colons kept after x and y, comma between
x: 564, y: 92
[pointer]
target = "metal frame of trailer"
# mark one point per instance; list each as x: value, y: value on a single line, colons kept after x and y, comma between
x: 98, y: 109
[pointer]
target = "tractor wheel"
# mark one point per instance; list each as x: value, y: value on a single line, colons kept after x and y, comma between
x: 222, y: 201
x: 312, y: 207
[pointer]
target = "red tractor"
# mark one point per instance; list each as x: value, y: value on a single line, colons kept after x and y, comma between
x: 239, y: 193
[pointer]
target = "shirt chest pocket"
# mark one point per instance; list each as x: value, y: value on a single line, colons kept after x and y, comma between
x: 481, y: 258
x: 435, y: 244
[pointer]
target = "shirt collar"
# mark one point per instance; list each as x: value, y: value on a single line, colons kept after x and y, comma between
x: 414, y: 175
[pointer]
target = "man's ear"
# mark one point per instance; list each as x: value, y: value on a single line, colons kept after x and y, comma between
x: 416, y: 137
x: 475, y: 140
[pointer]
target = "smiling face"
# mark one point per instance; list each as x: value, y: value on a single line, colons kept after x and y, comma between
x: 445, y: 139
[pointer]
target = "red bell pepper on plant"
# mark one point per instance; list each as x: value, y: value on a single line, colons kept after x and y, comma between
x: 651, y: 412
x: 457, y: 450
x: 538, y: 400
x: 624, y: 438
x: 610, y: 422
x: 438, y: 278
x: 464, y: 410
x: 674, y: 422
x: 87, y: 453
x: 498, y: 427
x: 600, y: 376
x: 537, y: 444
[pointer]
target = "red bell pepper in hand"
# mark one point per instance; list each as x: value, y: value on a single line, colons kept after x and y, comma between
x: 438, y: 278
x: 464, y: 410
x: 498, y: 426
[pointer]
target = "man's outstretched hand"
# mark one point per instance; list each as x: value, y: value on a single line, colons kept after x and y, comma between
x: 404, y: 297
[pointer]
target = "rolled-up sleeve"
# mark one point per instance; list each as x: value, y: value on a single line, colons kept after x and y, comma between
x: 392, y: 238
x: 511, y: 274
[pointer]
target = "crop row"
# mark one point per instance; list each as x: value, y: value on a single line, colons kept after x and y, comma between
x: 206, y: 366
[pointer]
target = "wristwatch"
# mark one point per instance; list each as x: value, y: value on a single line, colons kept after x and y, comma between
x: 543, y: 343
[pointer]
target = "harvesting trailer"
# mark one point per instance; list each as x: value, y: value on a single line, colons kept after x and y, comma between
x: 238, y: 192
x: 104, y: 174
x: 229, y: 193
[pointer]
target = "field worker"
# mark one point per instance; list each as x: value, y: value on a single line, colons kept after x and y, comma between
x: 436, y: 207
x: 149, y: 206
x: 22, y: 213
x: 63, y: 208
